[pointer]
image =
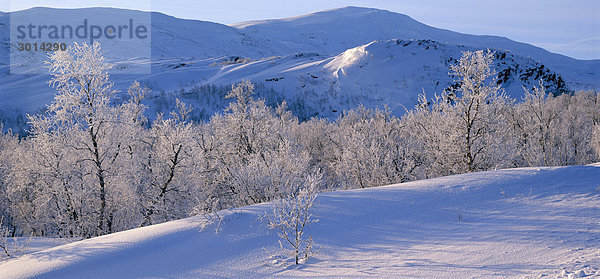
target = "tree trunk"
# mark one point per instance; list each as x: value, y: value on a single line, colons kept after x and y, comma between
x: 101, y: 182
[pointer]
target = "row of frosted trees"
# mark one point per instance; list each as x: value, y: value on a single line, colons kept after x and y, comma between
x: 93, y: 166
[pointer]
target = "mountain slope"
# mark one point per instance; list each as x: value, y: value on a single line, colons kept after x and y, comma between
x: 506, y: 223
x: 380, y: 73
x: 181, y: 38
x: 190, y: 53
x: 334, y: 31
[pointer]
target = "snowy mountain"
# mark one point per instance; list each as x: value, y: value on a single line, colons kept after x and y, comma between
x: 388, y: 72
x: 321, y: 63
x: 538, y: 222
x: 334, y: 31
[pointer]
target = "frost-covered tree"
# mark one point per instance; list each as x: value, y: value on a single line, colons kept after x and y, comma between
x: 166, y: 168
x: 476, y: 112
x: 82, y: 111
x: 534, y: 120
x: 372, y: 149
x: 575, y: 129
x: 553, y: 131
x: 69, y: 178
x: 5, y: 246
x: 8, y: 144
x: 465, y: 129
x: 291, y: 216
x: 50, y: 177
x: 252, y: 154
x: 596, y: 140
x: 423, y: 132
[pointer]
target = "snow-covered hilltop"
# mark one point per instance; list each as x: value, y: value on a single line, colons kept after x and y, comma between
x: 391, y: 72
x: 382, y: 58
x: 507, y: 223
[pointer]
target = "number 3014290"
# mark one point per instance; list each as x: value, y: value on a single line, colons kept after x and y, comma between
x: 41, y: 46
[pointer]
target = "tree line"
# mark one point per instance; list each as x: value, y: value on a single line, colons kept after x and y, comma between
x: 92, y: 166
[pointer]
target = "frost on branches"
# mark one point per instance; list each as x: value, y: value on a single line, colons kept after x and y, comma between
x: 90, y: 166
x: 291, y: 216
x: 94, y: 164
x: 464, y: 130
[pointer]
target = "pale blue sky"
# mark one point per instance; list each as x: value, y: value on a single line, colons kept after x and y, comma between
x: 570, y: 27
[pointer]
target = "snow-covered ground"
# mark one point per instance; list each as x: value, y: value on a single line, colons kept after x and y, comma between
x: 538, y: 222
x: 27, y: 245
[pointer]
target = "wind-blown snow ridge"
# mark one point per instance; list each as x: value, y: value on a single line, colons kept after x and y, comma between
x: 347, y: 59
x: 506, y: 223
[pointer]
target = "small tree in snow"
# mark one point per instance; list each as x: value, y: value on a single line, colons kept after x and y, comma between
x: 291, y: 215
x: 4, y: 233
x: 9, y: 249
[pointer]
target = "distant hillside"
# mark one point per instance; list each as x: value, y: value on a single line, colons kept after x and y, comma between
x: 322, y: 63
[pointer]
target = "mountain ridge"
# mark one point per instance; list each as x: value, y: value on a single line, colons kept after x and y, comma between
x: 190, y: 53
x: 376, y: 13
